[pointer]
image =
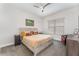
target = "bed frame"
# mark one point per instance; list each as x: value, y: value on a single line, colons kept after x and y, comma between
x: 37, y: 49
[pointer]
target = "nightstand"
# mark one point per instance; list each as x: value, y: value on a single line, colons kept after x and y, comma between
x: 17, y: 40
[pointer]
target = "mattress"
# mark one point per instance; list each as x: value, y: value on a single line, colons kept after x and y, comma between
x: 35, y: 41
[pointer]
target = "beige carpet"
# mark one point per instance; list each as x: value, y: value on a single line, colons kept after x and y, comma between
x: 56, y: 49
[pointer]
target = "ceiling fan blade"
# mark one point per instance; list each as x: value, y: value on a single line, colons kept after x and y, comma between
x: 36, y: 6
x: 46, y: 5
x: 42, y: 10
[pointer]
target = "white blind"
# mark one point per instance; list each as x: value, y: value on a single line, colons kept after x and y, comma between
x: 56, y: 26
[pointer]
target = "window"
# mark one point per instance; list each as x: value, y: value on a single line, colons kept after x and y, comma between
x: 56, y: 26
x: 51, y: 25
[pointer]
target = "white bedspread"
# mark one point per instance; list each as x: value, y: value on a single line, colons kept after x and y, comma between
x: 36, y: 40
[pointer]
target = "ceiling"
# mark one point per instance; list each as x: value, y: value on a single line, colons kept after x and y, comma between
x: 50, y: 9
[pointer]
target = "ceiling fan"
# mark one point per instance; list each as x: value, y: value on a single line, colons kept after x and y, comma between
x: 42, y: 6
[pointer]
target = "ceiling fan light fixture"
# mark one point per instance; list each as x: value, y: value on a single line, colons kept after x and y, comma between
x: 42, y: 10
x: 42, y: 6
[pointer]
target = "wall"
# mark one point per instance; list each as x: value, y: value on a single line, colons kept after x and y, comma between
x: 10, y: 20
x: 22, y: 15
x: 70, y: 18
x: 7, y: 26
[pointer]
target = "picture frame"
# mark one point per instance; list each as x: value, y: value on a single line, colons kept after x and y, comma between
x: 29, y: 22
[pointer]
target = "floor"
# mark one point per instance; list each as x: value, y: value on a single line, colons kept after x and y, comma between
x: 56, y: 49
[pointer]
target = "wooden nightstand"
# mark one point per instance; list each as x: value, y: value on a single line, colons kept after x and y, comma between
x: 17, y: 40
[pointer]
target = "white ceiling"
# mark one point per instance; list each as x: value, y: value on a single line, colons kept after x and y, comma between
x: 52, y: 8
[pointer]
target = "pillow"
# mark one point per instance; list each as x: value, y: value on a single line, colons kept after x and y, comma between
x: 35, y: 33
x: 23, y: 34
x: 28, y: 34
x: 31, y: 32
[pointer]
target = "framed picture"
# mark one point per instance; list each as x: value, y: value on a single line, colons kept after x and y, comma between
x: 29, y: 22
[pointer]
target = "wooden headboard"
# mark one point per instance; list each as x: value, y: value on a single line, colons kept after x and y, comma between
x: 27, y: 29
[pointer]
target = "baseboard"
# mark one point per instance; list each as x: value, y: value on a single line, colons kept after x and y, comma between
x: 6, y: 45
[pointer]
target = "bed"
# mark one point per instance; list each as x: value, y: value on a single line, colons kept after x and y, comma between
x: 36, y: 43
